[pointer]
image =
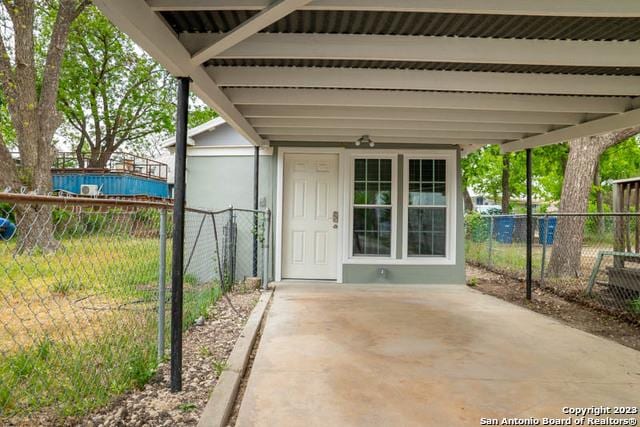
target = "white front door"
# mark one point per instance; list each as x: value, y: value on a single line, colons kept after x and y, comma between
x: 310, y: 216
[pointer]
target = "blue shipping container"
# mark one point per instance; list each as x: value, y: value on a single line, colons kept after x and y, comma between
x: 504, y: 226
x: 548, y: 229
x: 112, y: 184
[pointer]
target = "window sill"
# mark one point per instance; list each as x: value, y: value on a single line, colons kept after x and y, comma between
x: 402, y: 261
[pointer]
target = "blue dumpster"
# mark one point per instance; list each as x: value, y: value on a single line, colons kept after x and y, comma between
x: 547, y: 231
x: 504, y: 226
x: 7, y: 229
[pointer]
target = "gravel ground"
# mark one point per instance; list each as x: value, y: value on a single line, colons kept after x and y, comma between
x: 572, y: 313
x: 205, y: 351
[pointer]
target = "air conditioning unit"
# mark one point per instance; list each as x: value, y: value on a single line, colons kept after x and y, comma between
x: 89, y: 190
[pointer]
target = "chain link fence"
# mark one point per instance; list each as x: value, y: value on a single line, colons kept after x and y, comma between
x: 84, y: 309
x: 592, y: 258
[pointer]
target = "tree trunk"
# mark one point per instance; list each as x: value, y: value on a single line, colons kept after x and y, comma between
x: 468, y: 202
x: 599, y: 203
x: 35, y: 228
x: 506, y: 189
x: 584, y: 154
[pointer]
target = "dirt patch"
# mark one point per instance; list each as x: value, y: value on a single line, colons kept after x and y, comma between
x: 205, y: 351
x: 572, y: 313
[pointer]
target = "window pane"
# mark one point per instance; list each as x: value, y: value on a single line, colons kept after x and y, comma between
x: 439, y: 219
x: 440, y: 170
x: 359, y: 170
x: 385, y: 170
x: 426, y: 198
x: 439, y: 193
x: 358, y: 243
x: 427, y: 170
x: 414, y: 219
x: 359, y: 219
x: 372, y: 169
x: 439, y: 244
x: 414, y: 193
x: 384, y: 197
x: 384, y: 243
x: 414, y: 170
x: 383, y: 216
x: 376, y: 239
x: 371, y: 220
x: 426, y: 231
x: 372, y: 193
x: 359, y: 193
x: 413, y: 244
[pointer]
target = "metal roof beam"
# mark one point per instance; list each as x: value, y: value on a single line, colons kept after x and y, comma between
x: 266, y: 17
x: 411, y: 133
x: 351, y: 78
x: 413, y: 99
x: 594, y: 127
x: 593, y: 8
x: 369, y: 47
x: 350, y: 139
x: 266, y: 123
x: 419, y: 114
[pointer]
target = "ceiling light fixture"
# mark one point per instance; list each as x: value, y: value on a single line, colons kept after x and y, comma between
x: 364, y: 139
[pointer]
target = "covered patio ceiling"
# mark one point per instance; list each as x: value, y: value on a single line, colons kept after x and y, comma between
x: 518, y: 73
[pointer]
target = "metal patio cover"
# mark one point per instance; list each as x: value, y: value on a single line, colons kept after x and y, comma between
x: 518, y: 73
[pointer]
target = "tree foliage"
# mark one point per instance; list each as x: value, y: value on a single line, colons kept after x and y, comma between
x: 112, y: 94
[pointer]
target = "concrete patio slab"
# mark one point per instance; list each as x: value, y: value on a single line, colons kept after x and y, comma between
x: 424, y: 355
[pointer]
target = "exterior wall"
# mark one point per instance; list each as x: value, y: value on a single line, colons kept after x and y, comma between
x: 221, y: 136
x: 216, y: 182
x: 399, y: 273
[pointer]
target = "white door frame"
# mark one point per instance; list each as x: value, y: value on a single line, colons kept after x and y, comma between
x: 342, y: 226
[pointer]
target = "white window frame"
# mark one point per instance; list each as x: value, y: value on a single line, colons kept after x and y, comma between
x: 371, y: 154
x: 451, y: 199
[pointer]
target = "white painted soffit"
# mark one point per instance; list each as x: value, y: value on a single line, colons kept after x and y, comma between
x: 563, y: 106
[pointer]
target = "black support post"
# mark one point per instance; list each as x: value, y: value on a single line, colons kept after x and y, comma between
x: 256, y: 173
x: 177, y: 264
x: 529, y: 225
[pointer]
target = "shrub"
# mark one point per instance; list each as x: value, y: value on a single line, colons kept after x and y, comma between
x: 477, y: 227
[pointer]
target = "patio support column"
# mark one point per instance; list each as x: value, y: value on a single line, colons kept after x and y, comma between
x: 177, y: 264
x: 529, y: 225
x: 256, y: 173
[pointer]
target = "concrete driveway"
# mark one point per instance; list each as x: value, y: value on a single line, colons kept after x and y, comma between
x: 334, y: 355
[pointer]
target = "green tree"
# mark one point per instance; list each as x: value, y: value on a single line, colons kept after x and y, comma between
x: 112, y: 94
x: 32, y: 43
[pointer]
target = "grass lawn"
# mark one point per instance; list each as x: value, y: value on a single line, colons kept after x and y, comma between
x: 78, y: 325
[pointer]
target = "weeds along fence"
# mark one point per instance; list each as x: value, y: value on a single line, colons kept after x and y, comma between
x: 85, y: 291
x: 593, y: 258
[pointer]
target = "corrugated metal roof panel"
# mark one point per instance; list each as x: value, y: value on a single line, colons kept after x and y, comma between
x: 411, y: 23
x: 438, y: 66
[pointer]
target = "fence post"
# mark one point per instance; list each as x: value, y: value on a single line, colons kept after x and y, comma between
x: 490, y: 241
x: 161, y: 282
x: 529, y: 225
x: 265, y: 256
x: 543, y: 236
